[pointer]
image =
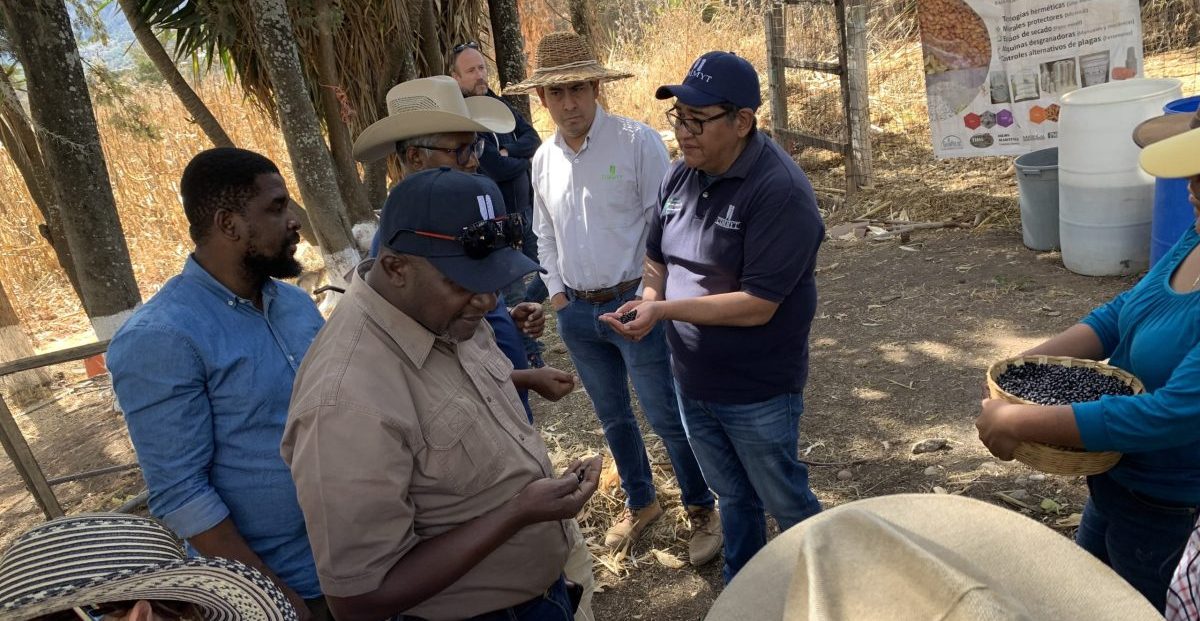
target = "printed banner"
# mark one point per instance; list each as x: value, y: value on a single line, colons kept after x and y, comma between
x: 995, y: 69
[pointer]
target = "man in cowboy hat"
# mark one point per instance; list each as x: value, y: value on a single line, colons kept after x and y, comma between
x: 505, y: 159
x: 116, y: 566
x: 203, y: 372
x: 595, y: 195
x: 729, y: 270
x: 427, y: 488
x: 430, y: 124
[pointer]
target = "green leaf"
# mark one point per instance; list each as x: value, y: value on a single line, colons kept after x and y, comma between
x: 1049, y: 505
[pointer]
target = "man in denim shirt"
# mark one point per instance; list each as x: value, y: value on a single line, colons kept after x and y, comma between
x: 204, y: 372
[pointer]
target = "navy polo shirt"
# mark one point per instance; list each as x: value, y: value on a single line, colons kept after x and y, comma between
x: 754, y: 229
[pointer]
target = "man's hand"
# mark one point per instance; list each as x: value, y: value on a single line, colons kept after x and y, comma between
x: 995, y: 425
x: 544, y: 500
x: 648, y: 314
x: 559, y: 301
x: 530, y: 318
x: 551, y: 383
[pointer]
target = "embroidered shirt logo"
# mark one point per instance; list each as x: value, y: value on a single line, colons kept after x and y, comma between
x: 486, y: 210
x: 727, y: 221
x: 673, y: 205
x: 612, y: 175
x: 697, y: 71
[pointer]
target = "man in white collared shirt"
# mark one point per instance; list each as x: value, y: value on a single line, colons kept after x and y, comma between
x: 595, y: 188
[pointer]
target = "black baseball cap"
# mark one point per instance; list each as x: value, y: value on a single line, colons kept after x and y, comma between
x: 444, y: 202
x: 716, y: 78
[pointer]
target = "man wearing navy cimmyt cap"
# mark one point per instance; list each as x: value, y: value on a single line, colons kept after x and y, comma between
x: 426, y: 488
x: 729, y: 267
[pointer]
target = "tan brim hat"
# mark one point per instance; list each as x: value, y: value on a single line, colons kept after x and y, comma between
x: 1160, y: 128
x: 426, y: 106
x: 565, y: 58
x: 925, y: 556
x: 1176, y: 157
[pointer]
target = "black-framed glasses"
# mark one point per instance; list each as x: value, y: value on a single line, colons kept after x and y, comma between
x: 462, y: 46
x: 486, y: 236
x: 695, y: 126
x: 462, y: 153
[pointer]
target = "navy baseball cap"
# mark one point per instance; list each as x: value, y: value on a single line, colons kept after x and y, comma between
x: 716, y: 78
x: 443, y: 202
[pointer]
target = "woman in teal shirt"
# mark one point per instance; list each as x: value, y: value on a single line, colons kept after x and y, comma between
x: 1140, y: 513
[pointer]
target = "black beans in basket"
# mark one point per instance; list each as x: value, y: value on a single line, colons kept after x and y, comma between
x: 628, y: 317
x: 1052, y: 384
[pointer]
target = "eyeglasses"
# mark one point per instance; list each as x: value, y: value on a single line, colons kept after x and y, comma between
x: 486, y: 236
x: 462, y: 46
x: 463, y: 153
x: 694, y: 125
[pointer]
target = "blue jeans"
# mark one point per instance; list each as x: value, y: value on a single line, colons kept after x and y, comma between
x: 553, y: 605
x: 604, y: 360
x: 1141, y: 538
x: 749, y: 456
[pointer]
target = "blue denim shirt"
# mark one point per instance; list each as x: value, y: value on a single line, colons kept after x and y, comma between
x: 204, y: 379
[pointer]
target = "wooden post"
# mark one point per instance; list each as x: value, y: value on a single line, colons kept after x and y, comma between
x: 26, y: 464
x: 839, y: 10
x: 776, y: 74
x: 858, y: 110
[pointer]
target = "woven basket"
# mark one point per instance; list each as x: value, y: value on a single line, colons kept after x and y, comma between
x: 1059, y: 459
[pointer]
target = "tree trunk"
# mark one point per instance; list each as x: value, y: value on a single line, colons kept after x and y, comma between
x: 166, y: 67
x: 583, y: 22
x: 510, y: 49
x: 358, y: 208
x: 27, y: 386
x: 302, y: 133
x: 21, y: 141
x: 431, y: 45
x: 70, y: 144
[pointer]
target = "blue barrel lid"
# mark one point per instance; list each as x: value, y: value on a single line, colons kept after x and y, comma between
x: 1187, y: 105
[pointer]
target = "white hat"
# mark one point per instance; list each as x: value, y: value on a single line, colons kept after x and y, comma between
x: 98, y: 558
x: 430, y: 106
x: 926, y: 556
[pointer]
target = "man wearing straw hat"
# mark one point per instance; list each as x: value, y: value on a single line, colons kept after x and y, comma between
x: 116, y: 566
x: 595, y: 194
x: 729, y: 270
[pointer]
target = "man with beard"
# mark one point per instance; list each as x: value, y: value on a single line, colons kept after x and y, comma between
x: 506, y: 159
x: 204, y: 370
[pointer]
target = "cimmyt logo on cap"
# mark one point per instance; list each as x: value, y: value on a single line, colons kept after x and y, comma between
x: 697, y: 71
x: 486, y: 210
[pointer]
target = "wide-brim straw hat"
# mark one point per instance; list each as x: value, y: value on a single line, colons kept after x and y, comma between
x: 926, y: 556
x: 564, y: 58
x: 1171, y: 145
x: 426, y: 106
x: 98, y: 558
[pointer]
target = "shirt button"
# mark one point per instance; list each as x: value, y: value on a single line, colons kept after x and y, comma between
x: 232, y: 303
x: 489, y: 400
x: 291, y: 358
x: 705, y: 195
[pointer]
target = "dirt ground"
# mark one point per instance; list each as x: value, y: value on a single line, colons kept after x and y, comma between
x: 899, y: 346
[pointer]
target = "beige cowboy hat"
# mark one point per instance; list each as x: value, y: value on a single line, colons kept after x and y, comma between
x: 1171, y: 145
x: 430, y: 106
x: 926, y: 556
x: 563, y: 58
x: 92, y: 559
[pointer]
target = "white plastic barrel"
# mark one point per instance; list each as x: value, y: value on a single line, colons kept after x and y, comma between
x: 1105, y: 201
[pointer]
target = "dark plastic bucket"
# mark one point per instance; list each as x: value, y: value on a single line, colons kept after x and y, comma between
x: 1037, y: 184
x: 1172, y: 211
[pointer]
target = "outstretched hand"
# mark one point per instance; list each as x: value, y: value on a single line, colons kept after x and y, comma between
x: 648, y: 314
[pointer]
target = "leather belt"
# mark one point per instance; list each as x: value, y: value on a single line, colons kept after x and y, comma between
x: 605, y: 295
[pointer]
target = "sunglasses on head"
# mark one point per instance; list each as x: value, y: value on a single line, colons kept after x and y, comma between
x: 462, y: 46
x: 484, y: 237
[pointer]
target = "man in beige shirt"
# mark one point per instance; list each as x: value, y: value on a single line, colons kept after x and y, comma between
x: 425, y: 489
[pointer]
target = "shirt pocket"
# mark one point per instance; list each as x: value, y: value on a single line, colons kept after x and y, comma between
x: 463, y: 453
x: 501, y: 369
x: 623, y: 209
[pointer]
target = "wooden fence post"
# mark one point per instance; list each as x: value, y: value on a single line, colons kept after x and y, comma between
x: 776, y: 74
x: 26, y: 464
x: 858, y: 108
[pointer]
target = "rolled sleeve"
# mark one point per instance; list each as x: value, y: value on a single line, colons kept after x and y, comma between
x: 783, y: 233
x: 360, y: 520
x: 159, y: 381
x: 1166, y: 418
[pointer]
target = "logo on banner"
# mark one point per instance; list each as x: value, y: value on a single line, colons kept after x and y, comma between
x: 486, y: 210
